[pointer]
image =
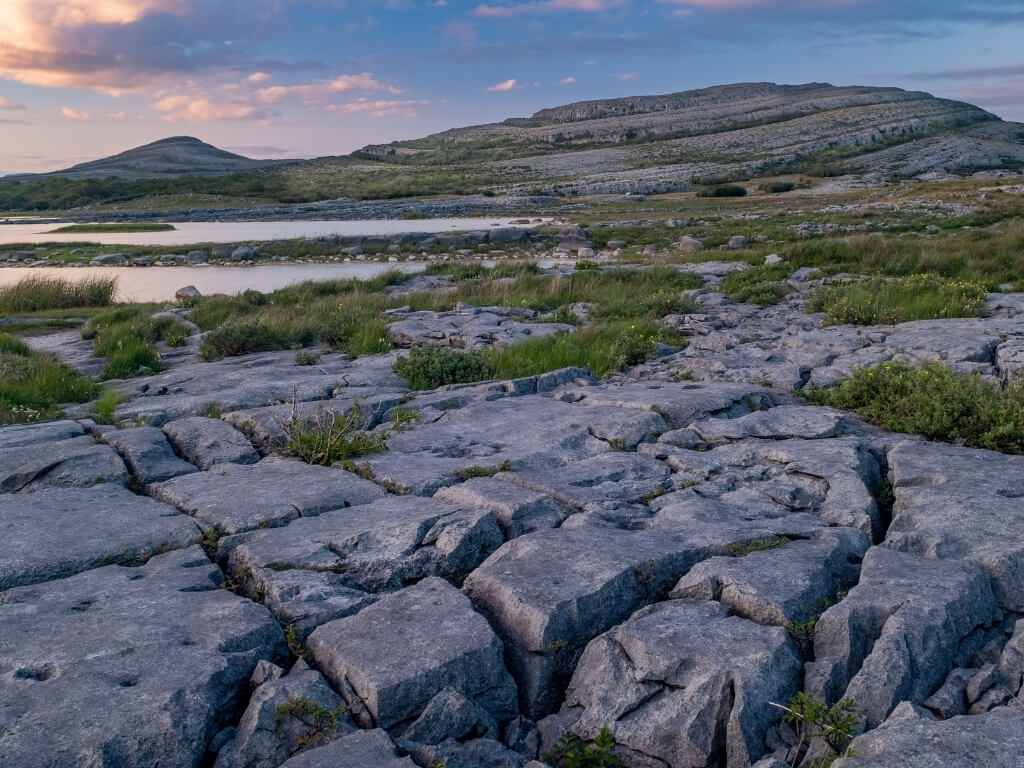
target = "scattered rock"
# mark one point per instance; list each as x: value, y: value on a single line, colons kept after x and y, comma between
x: 186, y: 293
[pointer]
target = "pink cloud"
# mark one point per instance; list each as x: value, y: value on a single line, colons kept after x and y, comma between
x: 506, y: 85
x: 74, y: 114
x: 384, y: 108
x: 8, y: 104
x: 544, y: 6
x: 320, y: 91
x: 257, y: 77
x: 181, y: 108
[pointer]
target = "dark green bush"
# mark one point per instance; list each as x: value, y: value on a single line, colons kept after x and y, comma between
x: 725, y: 190
x: 934, y: 402
x: 241, y: 338
x: 429, y: 367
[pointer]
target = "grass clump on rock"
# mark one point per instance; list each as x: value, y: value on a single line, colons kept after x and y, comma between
x: 33, y: 385
x: 127, y: 336
x: 36, y: 293
x: 882, y: 300
x: 760, y: 285
x: 934, y: 402
x: 331, y: 436
x: 429, y: 367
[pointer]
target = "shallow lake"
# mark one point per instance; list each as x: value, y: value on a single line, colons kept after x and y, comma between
x: 160, y: 283
x: 191, y: 232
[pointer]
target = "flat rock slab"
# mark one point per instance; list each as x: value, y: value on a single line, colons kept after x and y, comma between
x: 782, y: 585
x: 979, y: 741
x: 47, y: 432
x: 547, y: 433
x: 685, y: 684
x: 59, y: 532
x: 148, y: 454
x: 126, y: 666
x: 896, y: 634
x: 956, y: 502
x: 208, y: 442
x: 79, y: 462
x: 684, y: 402
x: 518, y: 510
x: 781, y: 423
x: 361, y: 749
x: 318, y: 569
x: 469, y: 328
x: 393, y: 657
x: 240, y: 497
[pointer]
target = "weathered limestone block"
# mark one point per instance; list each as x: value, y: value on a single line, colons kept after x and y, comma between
x: 781, y: 423
x: 390, y: 659
x: 127, y: 666
x: 374, y: 547
x: 273, y: 492
x: 281, y: 721
x: 450, y: 715
x: 75, y: 463
x: 208, y: 442
x: 682, y: 403
x: 895, y: 636
x: 954, y: 502
x: 148, y: 454
x: 361, y: 749
x: 995, y: 738
x: 59, y: 532
x: 518, y: 510
x: 46, y: 432
x: 684, y: 683
x: 784, y: 585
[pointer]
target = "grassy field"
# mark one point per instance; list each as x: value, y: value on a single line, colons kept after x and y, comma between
x: 34, y: 294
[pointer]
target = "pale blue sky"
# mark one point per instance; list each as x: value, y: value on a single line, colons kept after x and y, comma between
x: 85, y: 78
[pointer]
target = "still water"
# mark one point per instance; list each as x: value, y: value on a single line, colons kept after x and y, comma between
x: 160, y: 283
x: 190, y: 232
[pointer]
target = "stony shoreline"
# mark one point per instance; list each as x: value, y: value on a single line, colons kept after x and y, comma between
x: 528, y: 557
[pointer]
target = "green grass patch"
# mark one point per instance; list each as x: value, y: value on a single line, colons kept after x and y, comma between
x: 32, y: 385
x: 428, y: 367
x: 127, y: 336
x: 934, y: 402
x: 883, y: 300
x: 126, y: 227
x: 760, y: 285
x: 35, y: 293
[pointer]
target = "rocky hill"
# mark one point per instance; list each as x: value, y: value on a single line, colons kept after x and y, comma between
x: 173, y: 156
x: 664, y: 143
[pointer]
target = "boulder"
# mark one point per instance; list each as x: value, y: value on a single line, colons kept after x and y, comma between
x: 682, y: 683
x: 243, y: 253
x: 737, y: 242
x: 518, y: 510
x: 107, y: 259
x: 127, y: 666
x: 393, y: 657
x: 689, y: 244
x: 59, y: 532
x: 361, y: 749
x: 187, y: 293
x: 772, y: 259
x: 197, y: 257
x: 450, y: 715
x: 222, y: 251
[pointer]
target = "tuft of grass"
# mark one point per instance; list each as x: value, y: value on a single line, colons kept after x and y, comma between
x: 331, y: 437
x: 761, y: 285
x: 242, y: 338
x: 306, y: 357
x: 884, y: 300
x: 32, y: 385
x: 35, y: 293
x: 934, y: 402
x: 428, y: 367
x: 107, y: 403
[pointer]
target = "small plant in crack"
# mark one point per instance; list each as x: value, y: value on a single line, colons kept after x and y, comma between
x: 570, y: 751
x: 295, y: 645
x: 742, y: 549
x: 317, y: 719
x: 331, y: 436
x: 813, y: 719
x: 210, y: 540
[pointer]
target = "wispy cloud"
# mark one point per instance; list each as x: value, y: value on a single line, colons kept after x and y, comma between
x: 182, y: 108
x: 320, y: 91
x: 567, y: 80
x: 8, y: 104
x: 74, y: 114
x: 384, y: 108
x: 969, y: 73
x: 625, y: 75
x: 536, y: 7
x: 506, y: 85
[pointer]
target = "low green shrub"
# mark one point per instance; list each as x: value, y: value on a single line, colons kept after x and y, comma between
x: 430, y: 367
x: 884, y: 300
x: 933, y: 401
x: 570, y: 751
x: 107, y: 403
x: 724, y: 190
x: 240, y: 338
x: 331, y: 436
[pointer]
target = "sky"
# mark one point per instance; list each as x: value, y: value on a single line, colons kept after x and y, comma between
x: 81, y: 79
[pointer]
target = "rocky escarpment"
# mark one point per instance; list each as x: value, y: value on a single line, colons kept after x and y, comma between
x: 529, y: 557
x: 643, y: 144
